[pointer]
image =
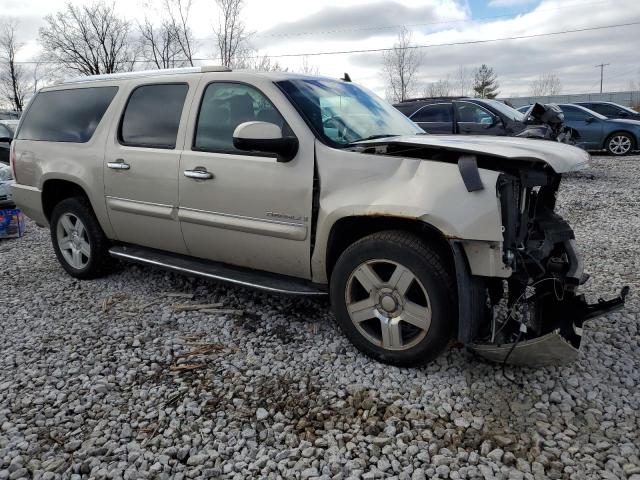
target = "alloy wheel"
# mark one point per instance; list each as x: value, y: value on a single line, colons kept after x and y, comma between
x: 73, y: 241
x: 620, y: 144
x: 388, y: 304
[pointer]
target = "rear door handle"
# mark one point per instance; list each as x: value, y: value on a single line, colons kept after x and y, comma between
x: 119, y: 165
x: 199, y: 173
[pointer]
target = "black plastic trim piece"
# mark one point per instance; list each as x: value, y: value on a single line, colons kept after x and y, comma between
x: 471, y: 298
x: 468, y: 166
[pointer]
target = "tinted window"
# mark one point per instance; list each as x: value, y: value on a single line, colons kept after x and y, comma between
x: 66, y: 115
x: 433, y: 113
x: 152, y: 116
x: 604, y: 109
x: 472, y: 113
x: 224, y: 107
x: 574, y: 114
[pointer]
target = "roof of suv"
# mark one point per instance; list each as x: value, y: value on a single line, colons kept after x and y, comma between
x: 412, y: 105
x: 275, y: 76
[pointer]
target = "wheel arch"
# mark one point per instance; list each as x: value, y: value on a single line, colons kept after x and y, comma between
x: 347, y: 230
x: 55, y: 190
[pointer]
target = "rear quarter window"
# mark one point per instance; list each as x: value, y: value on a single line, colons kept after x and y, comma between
x: 66, y: 115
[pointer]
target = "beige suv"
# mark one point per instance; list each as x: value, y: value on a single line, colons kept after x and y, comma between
x: 309, y: 186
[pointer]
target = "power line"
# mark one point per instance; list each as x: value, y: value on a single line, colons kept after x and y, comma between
x: 469, y: 42
x: 386, y: 49
x: 441, y: 22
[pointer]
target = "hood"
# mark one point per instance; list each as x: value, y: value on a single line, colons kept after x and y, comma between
x: 559, y: 156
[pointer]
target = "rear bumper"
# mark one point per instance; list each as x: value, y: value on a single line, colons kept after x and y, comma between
x: 29, y: 200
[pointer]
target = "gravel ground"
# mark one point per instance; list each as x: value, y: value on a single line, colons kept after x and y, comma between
x: 108, y: 379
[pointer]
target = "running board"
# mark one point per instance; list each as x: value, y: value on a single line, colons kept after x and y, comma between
x: 269, y: 282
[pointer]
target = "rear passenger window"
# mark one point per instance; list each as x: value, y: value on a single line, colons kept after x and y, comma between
x: 152, y: 116
x: 604, y: 109
x: 433, y: 113
x: 224, y: 107
x: 66, y: 115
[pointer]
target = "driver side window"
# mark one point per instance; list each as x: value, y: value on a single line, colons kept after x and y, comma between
x: 574, y: 114
x: 225, y: 106
x: 472, y: 113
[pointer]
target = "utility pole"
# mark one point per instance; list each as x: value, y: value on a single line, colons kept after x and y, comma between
x: 601, y: 66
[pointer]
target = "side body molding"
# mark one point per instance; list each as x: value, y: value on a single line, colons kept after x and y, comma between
x: 269, y: 228
x: 149, y: 209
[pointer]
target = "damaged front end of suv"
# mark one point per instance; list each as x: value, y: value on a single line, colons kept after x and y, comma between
x: 533, y: 314
x: 536, y: 315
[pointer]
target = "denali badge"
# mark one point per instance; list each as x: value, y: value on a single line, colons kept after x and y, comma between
x: 286, y: 216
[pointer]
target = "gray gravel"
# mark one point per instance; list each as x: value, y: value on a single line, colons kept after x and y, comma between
x: 106, y: 379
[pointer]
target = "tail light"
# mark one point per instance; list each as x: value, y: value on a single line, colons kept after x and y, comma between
x: 12, y: 160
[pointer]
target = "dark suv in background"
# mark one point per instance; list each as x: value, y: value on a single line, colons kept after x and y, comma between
x: 611, y: 110
x: 462, y: 115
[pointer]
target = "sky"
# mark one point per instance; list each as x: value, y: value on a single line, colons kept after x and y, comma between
x: 283, y: 27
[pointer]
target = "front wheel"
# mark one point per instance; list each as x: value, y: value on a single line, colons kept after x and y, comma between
x: 620, y: 144
x: 78, y: 240
x: 393, y: 298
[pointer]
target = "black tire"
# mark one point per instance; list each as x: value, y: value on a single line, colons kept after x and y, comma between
x: 427, y: 266
x: 613, y: 146
x: 99, y: 261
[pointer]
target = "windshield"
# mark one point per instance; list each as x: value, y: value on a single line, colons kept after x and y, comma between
x: 506, y: 110
x: 341, y: 113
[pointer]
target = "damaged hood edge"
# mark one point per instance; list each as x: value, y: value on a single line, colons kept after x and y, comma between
x: 560, y: 157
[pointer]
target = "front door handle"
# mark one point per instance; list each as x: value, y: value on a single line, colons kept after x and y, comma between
x: 199, y: 173
x: 119, y: 165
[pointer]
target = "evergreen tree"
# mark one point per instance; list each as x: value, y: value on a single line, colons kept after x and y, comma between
x: 485, y: 82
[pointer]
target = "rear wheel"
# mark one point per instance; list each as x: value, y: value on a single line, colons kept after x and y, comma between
x: 78, y: 240
x: 392, y: 297
x: 620, y: 144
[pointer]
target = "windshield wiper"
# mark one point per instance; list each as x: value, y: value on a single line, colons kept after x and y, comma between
x: 373, y: 137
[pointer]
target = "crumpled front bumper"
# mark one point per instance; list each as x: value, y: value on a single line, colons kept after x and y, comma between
x: 559, y: 346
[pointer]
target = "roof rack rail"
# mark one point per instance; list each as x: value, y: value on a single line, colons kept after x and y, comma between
x: 148, y: 73
x: 214, y: 68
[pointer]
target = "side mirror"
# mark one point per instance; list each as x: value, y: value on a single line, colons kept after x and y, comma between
x: 6, y: 139
x: 589, y: 120
x: 488, y: 122
x: 266, y: 138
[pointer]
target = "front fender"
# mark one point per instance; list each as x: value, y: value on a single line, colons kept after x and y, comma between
x: 360, y: 184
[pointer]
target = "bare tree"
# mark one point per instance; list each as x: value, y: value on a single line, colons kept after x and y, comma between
x: 13, y: 80
x: 178, y: 12
x: 307, y: 67
x: 250, y: 59
x: 89, y: 39
x: 546, y: 84
x: 168, y: 41
x: 159, y: 44
x: 485, y: 82
x: 43, y: 73
x: 441, y: 88
x: 463, y: 81
x: 231, y: 34
x: 400, y: 65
